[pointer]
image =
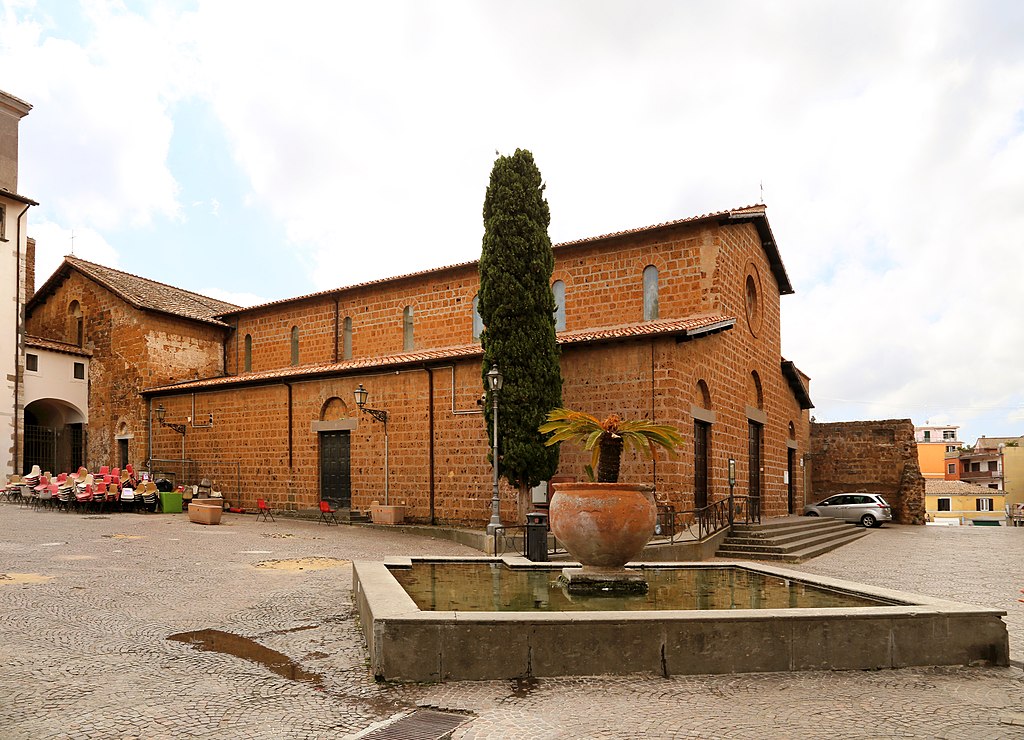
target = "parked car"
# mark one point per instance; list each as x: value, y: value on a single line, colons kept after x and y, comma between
x: 869, y: 509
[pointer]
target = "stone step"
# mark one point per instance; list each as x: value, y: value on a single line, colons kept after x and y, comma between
x: 787, y: 527
x: 789, y: 536
x: 782, y: 547
x: 796, y: 554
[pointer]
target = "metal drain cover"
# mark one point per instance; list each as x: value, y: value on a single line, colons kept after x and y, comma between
x: 423, y: 724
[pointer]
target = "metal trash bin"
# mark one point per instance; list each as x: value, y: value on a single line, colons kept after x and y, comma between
x: 537, y: 536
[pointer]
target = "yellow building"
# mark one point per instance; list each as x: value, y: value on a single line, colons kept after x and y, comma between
x: 949, y: 501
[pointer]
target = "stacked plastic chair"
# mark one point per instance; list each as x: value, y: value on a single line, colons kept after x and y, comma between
x: 28, y: 484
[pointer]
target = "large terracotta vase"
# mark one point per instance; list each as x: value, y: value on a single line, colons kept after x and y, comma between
x: 602, y: 525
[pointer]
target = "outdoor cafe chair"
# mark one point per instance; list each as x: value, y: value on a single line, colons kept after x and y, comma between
x: 64, y: 495
x: 263, y: 510
x: 44, y: 497
x: 13, y: 488
x: 149, y: 496
x: 83, y: 496
x: 99, y: 496
x: 325, y: 511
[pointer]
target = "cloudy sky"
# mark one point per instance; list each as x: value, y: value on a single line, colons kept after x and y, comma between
x: 254, y: 151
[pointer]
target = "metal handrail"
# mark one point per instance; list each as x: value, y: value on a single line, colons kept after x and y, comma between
x: 715, y: 517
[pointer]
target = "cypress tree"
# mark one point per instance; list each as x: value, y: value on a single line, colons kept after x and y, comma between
x: 517, y: 309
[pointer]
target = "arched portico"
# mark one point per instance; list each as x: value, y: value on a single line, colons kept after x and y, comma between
x: 54, y: 435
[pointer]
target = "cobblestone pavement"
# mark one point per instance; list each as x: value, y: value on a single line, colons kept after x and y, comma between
x: 85, y: 653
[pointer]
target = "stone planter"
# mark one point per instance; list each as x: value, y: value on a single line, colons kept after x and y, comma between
x: 387, y: 514
x: 205, y: 511
x: 603, y: 525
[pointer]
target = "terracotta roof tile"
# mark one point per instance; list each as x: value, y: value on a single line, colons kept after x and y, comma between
x: 746, y: 213
x: 142, y: 292
x: 55, y: 346
x: 692, y: 327
x: 955, y: 487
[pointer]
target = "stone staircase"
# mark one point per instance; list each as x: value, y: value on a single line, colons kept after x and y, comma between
x: 792, y: 539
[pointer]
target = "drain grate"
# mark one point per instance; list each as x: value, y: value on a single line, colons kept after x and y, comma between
x: 423, y: 724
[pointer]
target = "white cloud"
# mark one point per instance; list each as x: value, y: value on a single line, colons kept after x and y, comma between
x: 888, y: 137
x: 54, y: 241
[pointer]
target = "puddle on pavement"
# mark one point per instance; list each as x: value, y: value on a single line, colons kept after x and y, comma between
x: 75, y: 557
x: 278, y: 535
x: 124, y: 536
x: 18, y: 579
x: 229, y: 643
x: 95, y: 517
x: 52, y: 544
x: 295, y: 564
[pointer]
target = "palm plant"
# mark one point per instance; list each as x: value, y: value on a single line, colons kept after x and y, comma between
x: 606, y: 439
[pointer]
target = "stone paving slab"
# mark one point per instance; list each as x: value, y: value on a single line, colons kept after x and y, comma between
x: 86, y: 655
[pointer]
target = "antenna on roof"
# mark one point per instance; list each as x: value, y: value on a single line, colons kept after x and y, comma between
x: 762, y: 192
x: 72, y: 242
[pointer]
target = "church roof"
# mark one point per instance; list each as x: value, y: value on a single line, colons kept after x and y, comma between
x: 140, y: 292
x: 755, y: 214
x: 683, y: 329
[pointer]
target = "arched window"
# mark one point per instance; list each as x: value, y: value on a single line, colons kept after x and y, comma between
x: 478, y: 323
x: 77, y: 321
x: 558, y: 291
x: 248, y: 353
x: 407, y: 343
x: 650, y: 293
x: 346, y: 338
x: 295, y: 345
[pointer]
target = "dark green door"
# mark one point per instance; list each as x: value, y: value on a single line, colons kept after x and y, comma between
x: 336, y: 469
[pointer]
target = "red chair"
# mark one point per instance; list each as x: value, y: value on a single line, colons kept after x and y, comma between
x: 325, y: 510
x: 104, y: 469
x: 264, y: 510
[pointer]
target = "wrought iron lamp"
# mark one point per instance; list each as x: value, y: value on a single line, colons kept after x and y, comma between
x: 362, y: 395
x: 494, y: 383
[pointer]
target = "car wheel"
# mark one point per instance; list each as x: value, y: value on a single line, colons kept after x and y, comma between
x: 868, y: 521
x: 812, y: 513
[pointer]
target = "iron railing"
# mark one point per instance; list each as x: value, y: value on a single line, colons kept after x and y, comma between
x: 708, y: 520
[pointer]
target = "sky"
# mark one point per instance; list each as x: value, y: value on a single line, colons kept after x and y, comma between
x: 252, y: 151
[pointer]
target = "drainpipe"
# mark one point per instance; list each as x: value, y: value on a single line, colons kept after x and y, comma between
x: 289, y: 387
x: 654, y: 458
x: 430, y: 439
x: 19, y: 308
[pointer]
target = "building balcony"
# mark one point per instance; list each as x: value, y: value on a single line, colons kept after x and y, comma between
x: 970, y: 475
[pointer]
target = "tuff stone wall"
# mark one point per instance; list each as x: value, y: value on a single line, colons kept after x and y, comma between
x: 132, y: 349
x: 436, y: 406
x: 264, y: 442
x: 873, y: 456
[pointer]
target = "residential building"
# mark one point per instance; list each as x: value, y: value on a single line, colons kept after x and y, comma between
x: 966, y: 503
x: 16, y: 264
x: 934, y: 443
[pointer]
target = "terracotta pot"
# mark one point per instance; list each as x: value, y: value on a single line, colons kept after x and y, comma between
x: 603, y: 525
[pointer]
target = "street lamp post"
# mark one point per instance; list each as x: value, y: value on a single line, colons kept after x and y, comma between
x: 494, y: 381
x: 362, y: 395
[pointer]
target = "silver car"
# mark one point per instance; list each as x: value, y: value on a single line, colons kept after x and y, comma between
x: 869, y: 509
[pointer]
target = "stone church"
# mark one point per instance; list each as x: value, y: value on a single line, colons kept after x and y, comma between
x: 677, y: 322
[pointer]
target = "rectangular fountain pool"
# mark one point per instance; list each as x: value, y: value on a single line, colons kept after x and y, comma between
x: 487, y: 618
x: 493, y: 587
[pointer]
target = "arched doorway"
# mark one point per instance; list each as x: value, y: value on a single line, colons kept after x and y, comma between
x: 54, y: 435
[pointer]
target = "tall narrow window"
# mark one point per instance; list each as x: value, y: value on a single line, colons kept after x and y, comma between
x: 77, y: 323
x: 295, y: 345
x: 478, y: 323
x: 407, y: 343
x: 650, y: 293
x: 3, y: 223
x: 558, y: 291
x: 346, y: 338
x: 248, y: 353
